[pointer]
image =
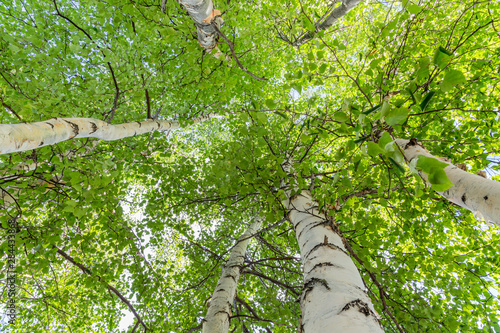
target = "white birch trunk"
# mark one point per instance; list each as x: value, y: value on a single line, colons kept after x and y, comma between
x: 475, y: 193
x: 27, y: 136
x: 334, y: 299
x: 329, y: 19
x: 203, y: 13
x: 219, y: 311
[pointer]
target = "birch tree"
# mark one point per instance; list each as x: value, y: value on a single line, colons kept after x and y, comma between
x: 120, y: 224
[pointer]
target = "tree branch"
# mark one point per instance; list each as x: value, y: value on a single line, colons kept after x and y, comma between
x: 109, y: 287
x: 117, y: 95
x: 11, y: 110
x: 231, y: 47
x: 73, y: 23
x: 291, y: 289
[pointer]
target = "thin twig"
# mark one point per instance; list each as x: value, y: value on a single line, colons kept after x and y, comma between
x: 231, y: 47
x: 11, y: 110
x: 73, y: 23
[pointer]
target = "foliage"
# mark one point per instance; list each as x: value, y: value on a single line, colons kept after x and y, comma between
x: 155, y: 216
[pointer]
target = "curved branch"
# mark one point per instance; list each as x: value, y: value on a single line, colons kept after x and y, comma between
x: 109, y: 287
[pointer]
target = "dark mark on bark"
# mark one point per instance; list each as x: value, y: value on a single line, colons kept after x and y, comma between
x: 51, y: 126
x: 94, y: 127
x: 362, y: 307
x: 224, y: 312
x: 412, y: 142
x: 139, y: 123
x: 74, y: 127
x: 230, y: 276
x: 157, y: 123
x: 41, y: 144
x: 323, y: 264
x: 221, y: 290
x: 329, y: 245
x: 464, y: 198
x: 485, y: 197
x: 310, y: 284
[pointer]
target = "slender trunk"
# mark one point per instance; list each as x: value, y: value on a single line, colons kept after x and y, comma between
x: 203, y: 14
x: 27, y: 136
x: 475, y: 193
x: 329, y: 19
x: 219, y: 310
x: 334, y: 297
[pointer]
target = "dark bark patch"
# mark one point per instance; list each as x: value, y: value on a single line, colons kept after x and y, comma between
x: 139, y: 123
x: 230, y: 276
x: 50, y: 124
x: 94, y: 127
x: 412, y: 142
x: 485, y: 197
x: 323, y: 264
x: 329, y: 245
x: 41, y: 144
x: 464, y: 198
x: 359, y: 305
x: 74, y: 127
x: 311, y: 283
x: 157, y: 123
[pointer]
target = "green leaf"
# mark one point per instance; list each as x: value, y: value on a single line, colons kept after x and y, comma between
x: 341, y: 116
x: 452, y: 79
x: 397, y: 116
x: 385, y: 138
x: 426, y: 100
x: 413, y: 9
x: 425, y: 163
x: 373, y: 109
x: 397, y: 165
x: 322, y: 68
x: 434, y: 169
x: 374, y: 149
x: 441, y: 57
x: 439, y: 180
x: 385, y: 109
x: 270, y: 103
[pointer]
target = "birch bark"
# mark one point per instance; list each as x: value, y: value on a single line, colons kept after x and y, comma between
x: 475, y: 193
x: 219, y: 311
x: 329, y: 19
x: 334, y: 297
x: 27, y: 136
x: 203, y: 14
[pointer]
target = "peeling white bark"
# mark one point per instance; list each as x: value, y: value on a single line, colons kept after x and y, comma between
x: 27, y: 136
x: 219, y: 311
x: 329, y: 19
x: 203, y: 14
x: 334, y: 297
x: 475, y: 193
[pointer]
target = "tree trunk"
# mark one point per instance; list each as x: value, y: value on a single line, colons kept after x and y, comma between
x: 203, y: 13
x: 334, y: 297
x: 27, y: 136
x: 328, y: 20
x: 219, y: 310
x: 475, y: 193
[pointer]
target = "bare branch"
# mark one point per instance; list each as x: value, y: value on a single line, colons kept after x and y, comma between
x: 117, y: 95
